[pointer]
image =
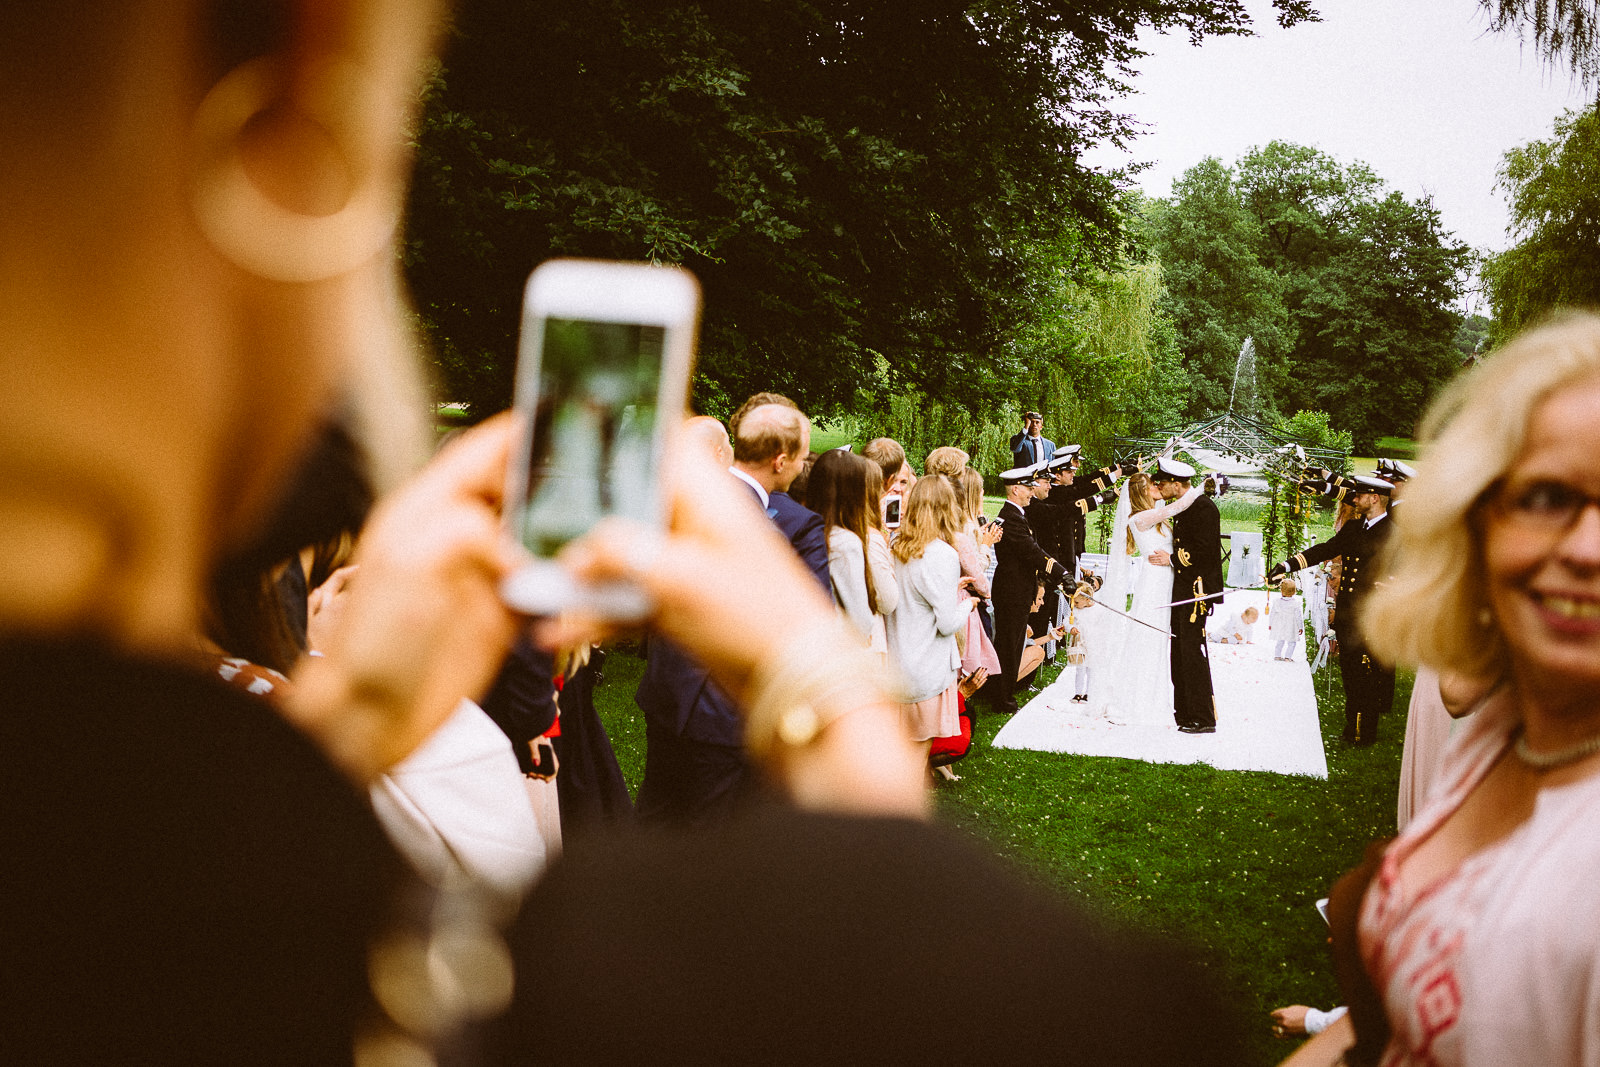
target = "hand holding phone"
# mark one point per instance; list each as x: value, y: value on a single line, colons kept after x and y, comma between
x: 602, y: 377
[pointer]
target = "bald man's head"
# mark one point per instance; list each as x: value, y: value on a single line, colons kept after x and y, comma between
x: 707, y: 434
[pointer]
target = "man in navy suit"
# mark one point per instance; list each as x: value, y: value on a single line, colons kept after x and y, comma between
x: 695, y: 768
x: 1028, y: 448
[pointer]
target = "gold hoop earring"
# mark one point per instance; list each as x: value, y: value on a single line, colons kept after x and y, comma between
x: 251, y: 230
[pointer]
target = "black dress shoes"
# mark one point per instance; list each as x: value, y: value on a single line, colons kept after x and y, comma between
x: 1196, y: 728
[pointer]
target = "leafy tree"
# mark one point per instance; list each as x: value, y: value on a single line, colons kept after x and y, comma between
x: 1564, y: 32
x: 1473, y: 336
x: 1218, y: 292
x: 1104, y: 362
x: 1554, y: 191
x: 849, y: 180
x: 1377, y: 325
x: 1346, y: 287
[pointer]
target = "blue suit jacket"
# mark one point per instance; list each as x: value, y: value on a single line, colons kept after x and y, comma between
x: 1022, y: 455
x: 676, y: 693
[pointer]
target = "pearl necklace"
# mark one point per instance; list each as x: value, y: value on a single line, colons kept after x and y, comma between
x: 1544, y: 761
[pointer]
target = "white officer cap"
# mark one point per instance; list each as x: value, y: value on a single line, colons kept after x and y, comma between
x: 1173, y: 468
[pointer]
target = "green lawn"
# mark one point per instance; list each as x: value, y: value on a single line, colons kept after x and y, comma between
x: 824, y: 438
x: 1230, y: 861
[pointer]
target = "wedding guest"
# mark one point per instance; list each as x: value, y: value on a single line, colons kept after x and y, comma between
x: 840, y: 492
x: 978, y: 650
x: 704, y: 432
x: 1028, y: 445
x: 897, y: 478
x: 190, y: 872
x: 802, y: 481
x: 1033, y: 648
x: 696, y: 767
x: 891, y: 459
x: 922, y: 630
x: 1458, y: 945
x: 947, y: 460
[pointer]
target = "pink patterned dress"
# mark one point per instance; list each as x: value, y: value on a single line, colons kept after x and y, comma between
x: 1497, y: 962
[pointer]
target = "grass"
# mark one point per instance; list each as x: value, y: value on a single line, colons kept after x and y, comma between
x: 825, y: 437
x: 1230, y: 861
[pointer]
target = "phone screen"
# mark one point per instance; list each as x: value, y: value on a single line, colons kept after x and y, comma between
x: 593, y: 449
x: 891, y: 512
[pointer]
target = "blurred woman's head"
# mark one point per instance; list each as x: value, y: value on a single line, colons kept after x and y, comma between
x: 930, y: 515
x: 199, y: 224
x: 969, y: 492
x: 948, y: 461
x: 1497, y: 550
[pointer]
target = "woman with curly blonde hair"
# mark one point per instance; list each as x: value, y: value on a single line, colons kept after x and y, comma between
x: 1465, y: 934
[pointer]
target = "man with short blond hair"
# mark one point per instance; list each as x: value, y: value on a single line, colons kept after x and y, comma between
x: 695, y: 769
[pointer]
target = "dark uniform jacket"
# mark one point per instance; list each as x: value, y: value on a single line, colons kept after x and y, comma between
x: 1358, y: 574
x: 1197, y: 553
x: 1019, y: 560
x: 1073, y: 504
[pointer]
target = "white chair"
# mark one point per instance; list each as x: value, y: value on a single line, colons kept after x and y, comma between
x: 1244, y: 568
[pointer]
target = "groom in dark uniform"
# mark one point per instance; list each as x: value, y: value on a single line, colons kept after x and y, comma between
x: 1196, y: 561
x: 1368, y: 684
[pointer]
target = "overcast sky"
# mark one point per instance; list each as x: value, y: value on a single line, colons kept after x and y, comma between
x: 1418, y: 89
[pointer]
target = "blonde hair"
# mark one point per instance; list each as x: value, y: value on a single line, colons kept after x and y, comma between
x: 948, y: 461
x: 1140, y: 498
x: 930, y: 515
x: 1435, y: 609
x: 969, y: 493
x: 1287, y: 587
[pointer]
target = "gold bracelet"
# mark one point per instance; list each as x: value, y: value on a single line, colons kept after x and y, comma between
x: 815, y: 682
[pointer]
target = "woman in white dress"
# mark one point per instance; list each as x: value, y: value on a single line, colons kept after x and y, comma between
x: 1137, y: 686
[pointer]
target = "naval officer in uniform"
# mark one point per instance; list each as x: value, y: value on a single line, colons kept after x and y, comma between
x: 1368, y: 684
x: 1020, y: 565
x: 1196, y: 561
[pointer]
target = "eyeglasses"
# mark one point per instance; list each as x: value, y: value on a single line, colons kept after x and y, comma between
x: 1544, y: 505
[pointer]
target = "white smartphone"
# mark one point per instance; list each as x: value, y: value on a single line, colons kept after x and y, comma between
x: 602, y: 381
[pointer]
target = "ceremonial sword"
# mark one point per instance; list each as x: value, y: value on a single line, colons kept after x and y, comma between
x: 1210, y: 596
x: 1130, y: 618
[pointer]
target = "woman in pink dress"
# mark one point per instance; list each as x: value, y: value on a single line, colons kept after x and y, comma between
x: 978, y: 649
x: 1474, y: 934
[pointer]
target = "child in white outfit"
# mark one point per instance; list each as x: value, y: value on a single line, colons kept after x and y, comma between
x: 1287, y: 622
x: 1077, y: 651
x: 1239, y: 630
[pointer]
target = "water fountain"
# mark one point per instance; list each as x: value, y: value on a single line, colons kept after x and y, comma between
x: 1244, y: 400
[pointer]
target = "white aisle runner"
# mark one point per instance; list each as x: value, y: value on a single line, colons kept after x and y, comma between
x: 1266, y: 712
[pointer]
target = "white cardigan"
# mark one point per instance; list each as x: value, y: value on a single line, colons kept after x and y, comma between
x: 847, y: 572
x: 922, y: 630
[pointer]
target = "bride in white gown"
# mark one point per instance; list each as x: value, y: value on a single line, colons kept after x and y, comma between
x: 1133, y: 674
